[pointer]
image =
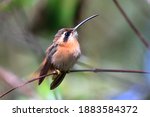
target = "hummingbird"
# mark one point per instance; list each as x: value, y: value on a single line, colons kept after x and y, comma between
x: 62, y: 54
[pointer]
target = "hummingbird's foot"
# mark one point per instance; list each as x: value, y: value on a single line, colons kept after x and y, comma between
x: 57, y: 72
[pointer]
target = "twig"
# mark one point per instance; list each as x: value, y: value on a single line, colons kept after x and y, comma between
x: 110, y: 70
x: 82, y: 70
x: 133, y: 27
x: 30, y: 81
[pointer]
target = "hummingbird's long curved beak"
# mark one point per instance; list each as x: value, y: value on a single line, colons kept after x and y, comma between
x: 81, y: 23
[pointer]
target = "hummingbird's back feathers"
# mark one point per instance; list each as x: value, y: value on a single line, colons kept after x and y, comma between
x: 46, y: 64
x: 51, y: 50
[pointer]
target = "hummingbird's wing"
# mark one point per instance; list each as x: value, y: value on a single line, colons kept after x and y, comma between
x: 46, y: 64
x: 57, y: 80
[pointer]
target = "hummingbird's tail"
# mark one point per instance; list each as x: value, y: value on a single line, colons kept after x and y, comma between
x: 57, y: 80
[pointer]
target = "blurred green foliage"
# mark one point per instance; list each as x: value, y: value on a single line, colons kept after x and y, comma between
x: 19, y: 4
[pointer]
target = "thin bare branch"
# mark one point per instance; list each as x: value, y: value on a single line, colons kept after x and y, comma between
x: 32, y: 80
x: 95, y: 70
x: 133, y: 27
x: 111, y: 70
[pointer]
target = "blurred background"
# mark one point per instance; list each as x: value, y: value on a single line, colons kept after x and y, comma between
x: 27, y: 28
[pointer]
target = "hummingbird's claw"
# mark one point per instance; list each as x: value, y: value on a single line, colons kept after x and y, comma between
x: 57, y: 72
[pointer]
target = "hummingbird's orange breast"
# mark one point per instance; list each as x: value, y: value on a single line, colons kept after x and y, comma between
x: 66, y: 55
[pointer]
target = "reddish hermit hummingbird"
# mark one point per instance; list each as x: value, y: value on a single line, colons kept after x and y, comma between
x: 62, y: 54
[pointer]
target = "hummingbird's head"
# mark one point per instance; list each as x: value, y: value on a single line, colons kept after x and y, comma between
x: 69, y: 34
x: 66, y: 34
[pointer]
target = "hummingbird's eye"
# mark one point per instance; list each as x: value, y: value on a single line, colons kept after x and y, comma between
x: 67, y: 34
